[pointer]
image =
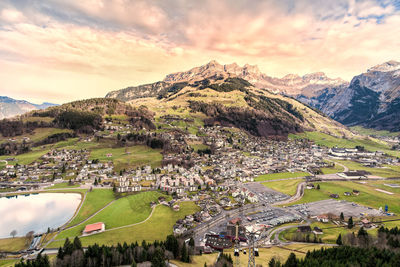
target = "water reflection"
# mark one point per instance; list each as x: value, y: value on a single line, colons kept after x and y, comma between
x: 36, y: 212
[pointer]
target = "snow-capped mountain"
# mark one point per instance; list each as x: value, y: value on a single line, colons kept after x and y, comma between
x: 10, y: 107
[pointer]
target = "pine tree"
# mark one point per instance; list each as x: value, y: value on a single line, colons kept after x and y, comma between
x: 318, y: 187
x: 339, y: 240
x: 291, y: 261
x: 350, y: 223
x: 341, y: 216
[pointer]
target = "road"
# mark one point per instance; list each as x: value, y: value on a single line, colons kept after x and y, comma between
x: 299, y: 194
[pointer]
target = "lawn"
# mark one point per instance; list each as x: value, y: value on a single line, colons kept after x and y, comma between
x: 368, y: 143
x: 198, y: 261
x: 63, y: 185
x: 156, y: 228
x: 8, y: 262
x: 13, y: 244
x: 129, y: 157
x: 368, y: 195
x: 386, y: 171
x: 337, y: 168
x: 288, y: 187
x: 95, y: 200
x: 125, y: 211
x: 281, y: 175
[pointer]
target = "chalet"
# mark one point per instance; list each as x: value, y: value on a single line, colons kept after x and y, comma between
x: 94, y: 228
x: 356, y: 192
x: 310, y: 186
x: 347, y: 194
x: 334, y: 195
x: 323, y: 218
x: 317, y: 231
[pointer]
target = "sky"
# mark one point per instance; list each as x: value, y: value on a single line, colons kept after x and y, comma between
x: 63, y: 50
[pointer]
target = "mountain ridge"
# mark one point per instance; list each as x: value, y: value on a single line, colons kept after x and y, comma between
x: 10, y: 107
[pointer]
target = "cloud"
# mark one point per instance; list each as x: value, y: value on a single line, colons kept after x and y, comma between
x: 62, y: 47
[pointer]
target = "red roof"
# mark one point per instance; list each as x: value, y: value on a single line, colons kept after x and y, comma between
x: 93, y: 227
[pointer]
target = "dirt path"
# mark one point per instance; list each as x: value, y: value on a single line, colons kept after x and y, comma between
x: 299, y: 194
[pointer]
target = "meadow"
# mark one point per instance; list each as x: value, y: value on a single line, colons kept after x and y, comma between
x: 281, y: 175
x: 288, y: 187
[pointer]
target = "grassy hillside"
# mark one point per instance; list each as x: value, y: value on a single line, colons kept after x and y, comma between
x: 368, y: 143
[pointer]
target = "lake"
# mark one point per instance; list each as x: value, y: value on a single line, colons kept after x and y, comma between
x: 36, y: 212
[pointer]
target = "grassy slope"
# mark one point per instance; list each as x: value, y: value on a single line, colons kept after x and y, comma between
x: 198, y: 261
x: 156, y: 228
x: 140, y: 155
x: 331, y: 141
x: 368, y: 195
x: 334, y: 169
x: 366, y: 131
x: 287, y: 187
x: 388, y: 171
x: 38, y: 134
x: 8, y: 262
x: 128, y: 210
x: 282, y: 175
x: 95, y: 200
x: 13, y: 244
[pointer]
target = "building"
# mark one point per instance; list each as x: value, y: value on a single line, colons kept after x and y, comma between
x: 94, y: 228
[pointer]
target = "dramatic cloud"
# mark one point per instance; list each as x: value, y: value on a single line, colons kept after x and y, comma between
x: 64, y: 50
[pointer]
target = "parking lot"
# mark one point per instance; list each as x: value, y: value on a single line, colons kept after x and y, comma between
x: 335, y: 207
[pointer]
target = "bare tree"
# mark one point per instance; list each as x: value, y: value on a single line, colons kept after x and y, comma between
x: 13, y: 233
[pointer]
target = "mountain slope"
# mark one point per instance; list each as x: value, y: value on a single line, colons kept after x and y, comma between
x: 220, y: 94
x: 372, y: 99
x: 10, y: 107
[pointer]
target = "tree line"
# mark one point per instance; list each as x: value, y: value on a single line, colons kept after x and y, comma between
x: 72, y: 254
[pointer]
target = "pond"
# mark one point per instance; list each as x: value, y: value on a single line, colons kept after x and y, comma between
x: 36, y: 212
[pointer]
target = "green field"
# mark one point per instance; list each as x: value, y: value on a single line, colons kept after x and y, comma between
x: 198, y: 261
x: 156, y: 228
x: 331, y: 141
x: 281, y: 175
x: 366, y: 131
x: 95, y: 200
x: 288, y: 187
x: 386, y: 171
x: 27, y: 158
x: 368, y: 195
x: 129, y: 157
x: 38, y: 134
x: 8, y: 262
x: 13, y: 244
x: 337, y: 168
x: 125, y: 211
x: 63, y: 185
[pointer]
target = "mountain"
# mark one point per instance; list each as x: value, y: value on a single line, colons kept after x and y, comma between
x: 11, y: 107
x: 231, y: 95
x: 372, y: 99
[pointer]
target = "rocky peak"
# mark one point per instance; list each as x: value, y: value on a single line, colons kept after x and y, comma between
x: 386, y: 67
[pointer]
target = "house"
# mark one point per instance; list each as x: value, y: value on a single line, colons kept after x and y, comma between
x: 323, y: 218
x: 356, y: 192
x: 347, y: 194
x: 366, y: 223
x: 94, y: 228
x: 310, y: 186
x: 334, y: 195
x: 318, y: 231
x: 176, y: 207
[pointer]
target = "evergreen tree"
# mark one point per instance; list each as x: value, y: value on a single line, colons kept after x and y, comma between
x: 350, y: 223
x: 291, y: 261
x: 77, y: 245
x: 318, y: 187
x: 339, y: 240
x: 341, y: 216
x: 158, y: 259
